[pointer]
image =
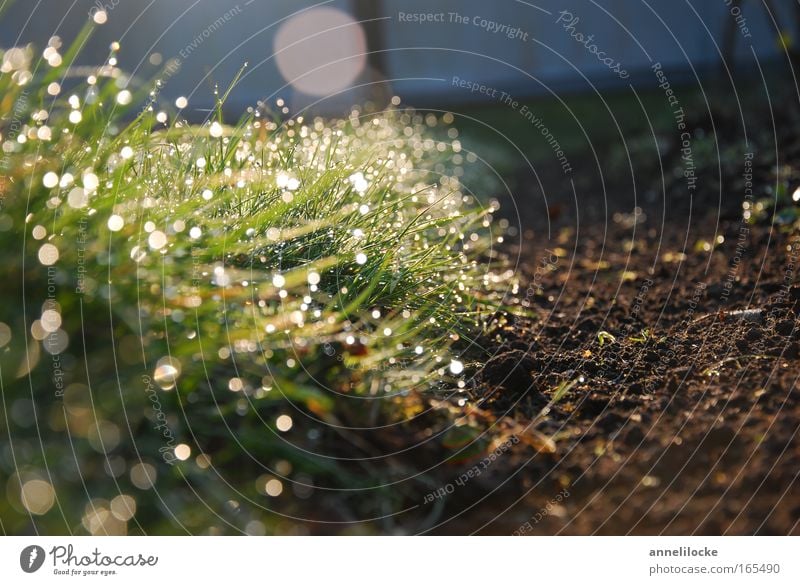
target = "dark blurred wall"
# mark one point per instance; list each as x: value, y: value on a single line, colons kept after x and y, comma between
x: 522, y: 47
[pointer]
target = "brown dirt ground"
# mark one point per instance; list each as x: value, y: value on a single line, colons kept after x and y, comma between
x: 689, y: 428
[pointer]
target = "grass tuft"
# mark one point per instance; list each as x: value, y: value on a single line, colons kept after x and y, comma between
x: 198, y: 316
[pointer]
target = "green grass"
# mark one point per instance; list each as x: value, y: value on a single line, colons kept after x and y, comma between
x: 245, y: 298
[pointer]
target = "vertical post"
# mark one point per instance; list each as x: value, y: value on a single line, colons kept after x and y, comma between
x: 367, y: 12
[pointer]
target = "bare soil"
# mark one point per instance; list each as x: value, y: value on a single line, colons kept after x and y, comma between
x: 671, y: 334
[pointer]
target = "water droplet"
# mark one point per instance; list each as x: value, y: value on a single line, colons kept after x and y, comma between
x: 157, y: 240
x: 167, y: 371
x: 183, y: 452
x: 38, y: 496
x: 215, y: 130
x: 284, y: 423
x: 273, y: 488
x: 123, y: 507
x: 77, y: 198
x: 56, y: 342
x: 48, y: 254
x: 456, y: 367
x: 143, y: 475
x: 90, y: 181
x: 359, y: 183
x: 50, y: 180
x: 66, y: 180
x: 361, y: 258
x: 138, y: 254
x: 124, y: 97
x: 115, y: 223
x: 50, y: 320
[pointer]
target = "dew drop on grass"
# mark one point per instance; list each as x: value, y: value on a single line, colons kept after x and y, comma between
x: 278, y: 281
x: 456, y: 367
x: 50, y: 180
x: 359, y: 183
x: 215, y: 130
x: 100, y: 17
x: 37, y: 496
x: 284, y: 423
x: 273, y: 488
x: 48, y: 254
x: 138, y: 254
x: 124, y: 97
x: 50, y: 320
x: 167, y: 372
x: 183, y: 452
x: 181, y: 103
x: 77, y: 198
x: 90, y: 181
x: 361, y: 258
x: 123, y: 507
x: 115, y: 223
x: 157, y: 240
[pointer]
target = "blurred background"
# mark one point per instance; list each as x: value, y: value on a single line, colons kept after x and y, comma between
x: 333, y: 54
